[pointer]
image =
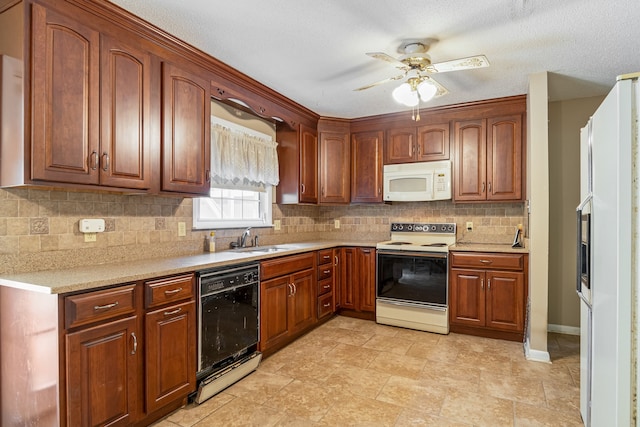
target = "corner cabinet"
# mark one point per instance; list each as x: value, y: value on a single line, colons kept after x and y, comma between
x: 366, y: 167
x: 487, y: 294
x: 335, y: 162
x: 298, y: 165
x: 488, y: 159
x: 186, y: 111
x: 357, y: 282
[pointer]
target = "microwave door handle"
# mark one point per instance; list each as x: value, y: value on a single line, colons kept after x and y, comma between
x: 579, y: 214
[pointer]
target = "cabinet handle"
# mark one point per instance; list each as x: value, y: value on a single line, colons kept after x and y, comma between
x: 105, y: 162
x: 335, y: 258
x: 327, y: 305
x: 135, y: 343
x: 366, y: 251
x: 486, y: 261
x: 323, y: 191
x: 326, y: 286
x: 105, y: 307
x: 489, y: 284
x: 489, y: 186
x: 483, y: 187
x: 418, y: 149
x: 302, y: 188
x: 94, y: 160
x: 207, y: 175
x: 295, y: 288
x: 171, y: 292
x: 379, y: 190
x: 326, y: 257
x: 290, y: 285
x: 326, y: 271
x: 170, y: 313
x: 482, y: 284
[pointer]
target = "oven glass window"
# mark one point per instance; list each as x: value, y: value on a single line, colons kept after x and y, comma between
x: 419, y: 279
x: 229, y: 323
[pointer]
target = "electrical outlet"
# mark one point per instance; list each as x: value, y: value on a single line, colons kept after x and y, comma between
x: 336, y: 223
x: 90, y: 237
x: 276, y: 224
x: 469, y: 226
x: 182, y: 229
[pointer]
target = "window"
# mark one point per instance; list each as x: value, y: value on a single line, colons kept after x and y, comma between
x: 233, y: 208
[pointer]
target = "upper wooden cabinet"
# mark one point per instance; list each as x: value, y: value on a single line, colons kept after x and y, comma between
x: 488, y: 159
x: 366, y: 167
x: 298, y: 165
x: 335, y: 162
x: 417, y: 144
x: 186, y: 111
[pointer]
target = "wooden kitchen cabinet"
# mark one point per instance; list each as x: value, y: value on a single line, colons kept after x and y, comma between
x: 186, y: 111
x: 288, y: 297
x: 357, y: 282
x: 92, y: 104
x: 326, y: 275
x: 488, y: 159
x: 366, y: 167
x: 417, y: 144
x: 298, y: 165
x: 335, y: 162
x: 487, y: 294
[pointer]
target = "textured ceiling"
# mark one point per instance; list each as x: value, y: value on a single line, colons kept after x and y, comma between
x: 313, y: 52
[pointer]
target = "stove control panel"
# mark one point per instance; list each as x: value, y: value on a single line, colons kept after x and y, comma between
x: 402, y: 227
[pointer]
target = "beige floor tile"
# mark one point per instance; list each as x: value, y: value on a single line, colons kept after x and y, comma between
x: 350, y: 355
x: 395, y: 364
x: 420, y: 336
x: 388, y: 344
x: 527, y: 390
x: 304, y: 400
x: 242, y: 412
x: 414, y: 394
x: 556, y: 372
x: 478, y: 409
x: 376, y: 329
x: 451, y: 375
x: 191, y: 414
x: 259, y: 386
x: 305, y: 371
x: 361, y: 411
x: 562, y: 397
x: 532, y: 416
x: 357, y: 381
x: 497, y: 364
x: 423, y: 349
x: 412, y: 417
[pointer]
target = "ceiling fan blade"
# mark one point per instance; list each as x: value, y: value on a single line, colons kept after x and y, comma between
x: 390, y: 59
x: 441, y: 90
x: 478, y: 61
x: 390, y: 79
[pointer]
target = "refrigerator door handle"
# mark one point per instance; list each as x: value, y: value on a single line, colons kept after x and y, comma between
x: 581, y: 252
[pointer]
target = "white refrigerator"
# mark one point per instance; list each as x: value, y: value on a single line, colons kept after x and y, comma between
x: 608, y: 258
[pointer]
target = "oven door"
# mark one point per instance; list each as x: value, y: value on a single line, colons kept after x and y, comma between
x: 412, y: 278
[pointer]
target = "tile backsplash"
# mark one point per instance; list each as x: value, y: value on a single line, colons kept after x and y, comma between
x: 39, y: 228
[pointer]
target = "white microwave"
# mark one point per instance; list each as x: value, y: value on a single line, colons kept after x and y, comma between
x: 416, y: 182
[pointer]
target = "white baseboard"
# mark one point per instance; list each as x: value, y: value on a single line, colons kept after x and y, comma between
x: 562, y: 329
x: 536, y: 355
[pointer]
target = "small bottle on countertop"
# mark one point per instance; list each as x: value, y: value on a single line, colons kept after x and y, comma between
x: 211, y: 242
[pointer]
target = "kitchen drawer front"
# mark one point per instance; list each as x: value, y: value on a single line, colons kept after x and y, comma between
x: 286, y: 265
x: 325, y: 286
x: 493, y: 261
x: 325, y: 272
x: 168, y: 289
x: 91, y: 307
x: 325, y: 305
x: 325, y: 256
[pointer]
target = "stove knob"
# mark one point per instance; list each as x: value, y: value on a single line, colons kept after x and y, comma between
x: 418, y: 227
x: 400, y: 227
x: 443, y: 228
x: 409, y: 227
x: 394, y: 227
x: 450, y: 228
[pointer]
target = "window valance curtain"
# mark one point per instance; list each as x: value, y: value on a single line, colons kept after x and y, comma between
x: 242, y: 160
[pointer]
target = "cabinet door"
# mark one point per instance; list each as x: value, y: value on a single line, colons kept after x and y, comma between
x: 125, y: 116
x: 505, y: 300
x: 303, y: 302
x: 433, y: 142
x: 170, y: 354
x: 186, y: 110
x: 274, y: 317
x: 348, y: 284
x: 102, y: 374
x: 334, y: 168
x: 504, y: 158
x: 66, y: 99
x: 467, y: 297
x: 470, y: 169
x: 366, y: 167
x: 337, y: 277
x: 367, y: 279
x: 308, y: 165
x: 399, y: 147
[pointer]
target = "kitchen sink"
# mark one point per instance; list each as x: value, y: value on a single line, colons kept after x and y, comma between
x: 263, y: 249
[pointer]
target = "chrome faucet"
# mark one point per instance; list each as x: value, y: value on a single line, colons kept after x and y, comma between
x: 243, y: 239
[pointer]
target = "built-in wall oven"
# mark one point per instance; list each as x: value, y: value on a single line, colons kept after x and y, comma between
x: 228, y: 327
x: 412, y: 276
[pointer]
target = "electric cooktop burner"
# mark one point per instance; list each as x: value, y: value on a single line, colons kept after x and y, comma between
x: 399, y: 243
x: 436, y: 245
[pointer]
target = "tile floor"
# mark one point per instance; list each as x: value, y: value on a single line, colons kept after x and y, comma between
x: 356, y: 372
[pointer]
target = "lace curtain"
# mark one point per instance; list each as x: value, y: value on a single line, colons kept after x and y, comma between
x: 241, y: 160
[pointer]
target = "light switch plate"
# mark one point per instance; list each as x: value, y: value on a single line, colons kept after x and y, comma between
x: 90, y: 237
x: 276, y: 224
x: 336, y: 223
x: 469, y: 226
x: 182, y: 229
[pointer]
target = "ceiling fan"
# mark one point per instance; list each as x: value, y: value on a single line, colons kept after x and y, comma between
x: 416, y: 67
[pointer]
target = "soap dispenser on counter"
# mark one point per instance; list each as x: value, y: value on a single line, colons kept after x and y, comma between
x: 210, y: 242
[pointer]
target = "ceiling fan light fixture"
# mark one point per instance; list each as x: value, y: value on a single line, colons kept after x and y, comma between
x: 427, y: 90
x: 406, y: 95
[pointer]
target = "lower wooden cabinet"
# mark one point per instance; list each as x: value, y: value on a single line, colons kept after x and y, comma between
x: 326, y: 283
x: 487, y: 294
x: 287, y: 299
x: 357, y: 281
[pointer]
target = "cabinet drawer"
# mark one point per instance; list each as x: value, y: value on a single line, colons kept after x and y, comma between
x: 325, y: 271
x: 488, y: 260
x: 169, y: 289
x: 325, y: 256
x: 325, y: 286
x: 286, y: 265
x: 97, y: 306
x: 325, y: 305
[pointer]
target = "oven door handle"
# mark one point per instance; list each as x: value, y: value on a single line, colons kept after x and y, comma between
x: 409, y: 304
x: 414, y: 254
